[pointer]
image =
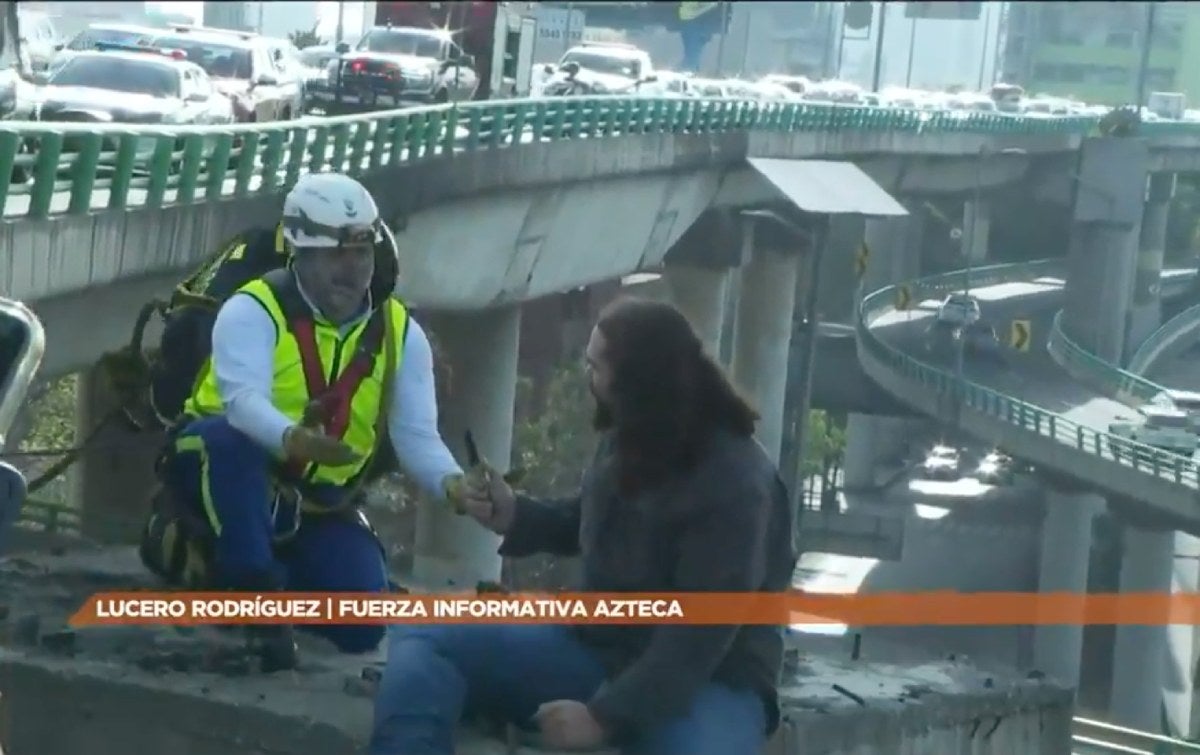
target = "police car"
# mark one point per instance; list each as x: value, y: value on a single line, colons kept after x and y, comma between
x: 150, y: 86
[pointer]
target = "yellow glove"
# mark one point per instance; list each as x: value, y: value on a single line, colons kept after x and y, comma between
x: 313, y: 446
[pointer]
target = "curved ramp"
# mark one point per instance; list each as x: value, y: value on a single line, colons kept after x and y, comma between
x: 1032, y: 408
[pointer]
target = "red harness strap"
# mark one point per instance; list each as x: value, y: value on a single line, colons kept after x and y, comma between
x: 334, y: 400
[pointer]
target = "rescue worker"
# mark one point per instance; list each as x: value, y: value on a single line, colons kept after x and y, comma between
x: 270, y: 454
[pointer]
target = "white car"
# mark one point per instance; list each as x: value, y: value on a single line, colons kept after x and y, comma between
x: 959, y: 310
x: 995, y: 469
x: 941, y: 463
x: 1158, y: 426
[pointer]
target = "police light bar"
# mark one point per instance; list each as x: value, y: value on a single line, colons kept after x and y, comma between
x: 117, y: 47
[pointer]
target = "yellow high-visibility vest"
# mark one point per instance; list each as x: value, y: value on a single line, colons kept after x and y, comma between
x: 357, y: 357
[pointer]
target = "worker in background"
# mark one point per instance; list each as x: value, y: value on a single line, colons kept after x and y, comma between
x: 679, y: 497
x: 308, y: 372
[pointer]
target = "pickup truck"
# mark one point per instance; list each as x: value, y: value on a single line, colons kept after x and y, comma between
x: 394, y: 66
x: 601, y: 68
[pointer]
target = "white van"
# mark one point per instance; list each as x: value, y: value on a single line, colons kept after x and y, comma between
x: 1164, y: 428
x: 1187, y: 402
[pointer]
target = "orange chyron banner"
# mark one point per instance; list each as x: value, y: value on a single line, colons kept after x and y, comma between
x: 879, y: 609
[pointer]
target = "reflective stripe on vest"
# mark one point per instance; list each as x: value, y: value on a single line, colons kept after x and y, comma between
x: 309, y: 355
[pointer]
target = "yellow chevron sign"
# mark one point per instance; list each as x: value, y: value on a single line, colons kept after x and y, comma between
x: 861, y: 258
x: 1020, y: 335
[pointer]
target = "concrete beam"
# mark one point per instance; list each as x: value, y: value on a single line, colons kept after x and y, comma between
x: 114, y: 478
x: 454, y: 551
x: 765, y: 308
x: 1140, y: 652
x: 1066, y: 550
x: 1146, y: 308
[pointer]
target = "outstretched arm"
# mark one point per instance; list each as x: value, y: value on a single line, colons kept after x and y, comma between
x: 413, y: 418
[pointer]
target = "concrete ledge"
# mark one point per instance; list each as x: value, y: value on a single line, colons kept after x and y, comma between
x: 126, y: 690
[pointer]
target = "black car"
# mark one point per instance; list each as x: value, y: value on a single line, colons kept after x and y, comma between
x: 982, y: 343
x: 127, y: 86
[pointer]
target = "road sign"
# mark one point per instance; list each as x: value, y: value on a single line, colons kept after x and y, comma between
x: 860, y: 259
x: 903, y: 297
x: 1020, y: 335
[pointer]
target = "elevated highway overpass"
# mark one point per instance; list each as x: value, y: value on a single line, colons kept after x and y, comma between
x: 573, y: 192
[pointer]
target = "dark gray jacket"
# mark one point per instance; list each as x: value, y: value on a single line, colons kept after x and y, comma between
x: 724, y: 527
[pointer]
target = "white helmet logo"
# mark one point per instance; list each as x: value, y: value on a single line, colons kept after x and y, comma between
x: 350, y: 211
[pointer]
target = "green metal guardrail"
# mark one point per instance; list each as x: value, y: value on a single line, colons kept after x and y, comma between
x: 1110, y: 379
x: 1091, y: 737
x: 1140, y: 457
x: 204, y: 163
x: 1142, y: 358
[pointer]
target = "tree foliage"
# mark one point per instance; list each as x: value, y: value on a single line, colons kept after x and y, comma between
x: 302, y: 39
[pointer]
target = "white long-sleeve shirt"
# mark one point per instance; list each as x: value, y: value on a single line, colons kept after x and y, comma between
x: 243, y: 341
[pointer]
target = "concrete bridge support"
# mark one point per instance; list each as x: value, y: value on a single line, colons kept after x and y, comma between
x: 977, y: 227
x: 1140, y: 652
x: 1102, y: 257
x: 453, y: 551
x: 895, y: 247
x: 1063, y: 568
x: 1181, y: 640
x: 700, y: 293
x: 765, y: 306
x: 114, y: 478
x: 1146, y: 313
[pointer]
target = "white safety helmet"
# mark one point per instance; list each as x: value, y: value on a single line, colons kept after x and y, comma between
x: 327, y: 210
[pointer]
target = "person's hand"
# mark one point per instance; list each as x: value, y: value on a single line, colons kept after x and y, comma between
x: 568, y: 725
x: 313, y: 446
x: 484, y: 495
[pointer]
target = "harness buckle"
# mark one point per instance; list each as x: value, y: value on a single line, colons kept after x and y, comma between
x: 286, y: 496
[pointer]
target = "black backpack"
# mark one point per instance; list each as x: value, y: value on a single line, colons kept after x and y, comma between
x: 190, y: 313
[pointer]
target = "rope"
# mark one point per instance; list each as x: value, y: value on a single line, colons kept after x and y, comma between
x: 127, y: 371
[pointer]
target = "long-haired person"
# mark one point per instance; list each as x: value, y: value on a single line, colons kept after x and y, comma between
x: 679, y: 497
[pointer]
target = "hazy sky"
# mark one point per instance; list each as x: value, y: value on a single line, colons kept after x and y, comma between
x: 326, y: 13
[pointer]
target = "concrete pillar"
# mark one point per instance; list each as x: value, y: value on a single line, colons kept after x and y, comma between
x: 764, y: 334
x: 1140, y: 652
x: 894, y: 247
x: 977, y: 226
x: 1065, y: 554
x: 839, y: 280
x: 481, y: 347
x: 872, y: 441
x: 114, y: 478
x: 700, y: 293
x: 1146, y: 313
x: 1102, y: 255
x: 1181, y: 641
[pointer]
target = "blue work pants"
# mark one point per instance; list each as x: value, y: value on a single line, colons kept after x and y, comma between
x: 225, y: 475
x: 437, y: 674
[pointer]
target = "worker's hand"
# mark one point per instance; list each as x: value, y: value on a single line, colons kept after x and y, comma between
x: 485, y: 496
x: 568, y: 725
x: 313, y: 446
